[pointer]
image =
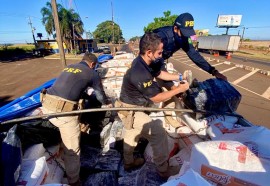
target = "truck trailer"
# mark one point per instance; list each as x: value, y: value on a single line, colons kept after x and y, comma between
x: 219, y: 43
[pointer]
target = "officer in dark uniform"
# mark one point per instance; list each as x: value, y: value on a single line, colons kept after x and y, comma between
x: 139, y: 89
x: 64, y: 96
x: 75, y: 79
x: 178, y: 36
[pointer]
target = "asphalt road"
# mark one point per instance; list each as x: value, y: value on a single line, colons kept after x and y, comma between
x: 253, y: 86
x: 19, y: 77
x: 258, y: 63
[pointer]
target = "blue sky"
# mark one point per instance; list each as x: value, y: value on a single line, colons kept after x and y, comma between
x: 134, y: 15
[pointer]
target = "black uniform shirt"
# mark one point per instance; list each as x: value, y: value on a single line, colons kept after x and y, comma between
x: 172, y: 43
x: 74, y: 80
x: 138, y: 85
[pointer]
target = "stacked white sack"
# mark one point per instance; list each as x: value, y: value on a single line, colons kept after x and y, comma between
x: 200, y: 126
x: 237, y: 157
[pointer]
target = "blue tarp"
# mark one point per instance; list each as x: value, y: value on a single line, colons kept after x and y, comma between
x: 104, y: 58
x: 23, y: 104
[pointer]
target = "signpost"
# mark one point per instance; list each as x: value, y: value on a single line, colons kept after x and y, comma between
x: 229, y: 21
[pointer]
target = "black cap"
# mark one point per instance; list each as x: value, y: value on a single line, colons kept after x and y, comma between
x: 185, y: 23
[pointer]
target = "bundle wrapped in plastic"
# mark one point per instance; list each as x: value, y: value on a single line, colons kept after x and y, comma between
x: 215, y: 95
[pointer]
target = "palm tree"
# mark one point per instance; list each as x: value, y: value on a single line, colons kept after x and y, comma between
x: 68, y: 21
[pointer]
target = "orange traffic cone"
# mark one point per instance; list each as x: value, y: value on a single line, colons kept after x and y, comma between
x: 216, y: 54
x: 228, y: 55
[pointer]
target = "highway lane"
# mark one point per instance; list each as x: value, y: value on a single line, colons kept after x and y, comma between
x: 258, y: 63
x: 254, y: 87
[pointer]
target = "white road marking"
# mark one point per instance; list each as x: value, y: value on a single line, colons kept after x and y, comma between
x: 227, y: 69
x: 245, y: 76
x: 263, y: 95
x: 249, y: 90
x: 217, y: 64
x: 185, y: 61
x: 181, y: 58
x: 266, y: 94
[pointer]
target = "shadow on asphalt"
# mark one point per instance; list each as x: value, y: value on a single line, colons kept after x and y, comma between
x: 11, y: 59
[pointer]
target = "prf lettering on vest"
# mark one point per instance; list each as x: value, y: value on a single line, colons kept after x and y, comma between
x: 189, y: 23
x: 147, y: 84
x: 72, y: 70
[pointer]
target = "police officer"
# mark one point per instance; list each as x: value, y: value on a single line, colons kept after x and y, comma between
x: 178, y: 36
x: 63, y: 96
x: 140, y: 90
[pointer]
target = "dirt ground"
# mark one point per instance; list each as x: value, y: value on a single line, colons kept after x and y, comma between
x: 257, y: 43
x: 19, y: 77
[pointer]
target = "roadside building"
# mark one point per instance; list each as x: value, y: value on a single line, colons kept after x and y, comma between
x: 87, y: 44
x: 52, y: 46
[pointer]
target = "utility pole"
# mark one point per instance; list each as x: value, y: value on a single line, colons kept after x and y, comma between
x: 58, y: 33
x: 86, y: 33
x: 119, y: 36
x: 87, y: 37
x: 74, y: 42
x: 243, y: 35
x: 112, y: 28
x: 244, y: 28
x: 32, y: 29
x: 227, y: 30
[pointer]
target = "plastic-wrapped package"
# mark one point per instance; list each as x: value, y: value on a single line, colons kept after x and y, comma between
x: 102, y: 178
x: 10, y: 158
x: 148, y: 176
x: 33, y: 172
x: 215, y: 95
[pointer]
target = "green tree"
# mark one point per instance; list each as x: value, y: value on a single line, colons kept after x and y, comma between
x: 167, y: 20
x: 68, y: 19
x: 106, y: 30
x: 136, y: 38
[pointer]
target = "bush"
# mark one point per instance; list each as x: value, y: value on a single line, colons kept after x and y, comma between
x: 75, y: 51
x: 261, y: 48
x: 10, y: 50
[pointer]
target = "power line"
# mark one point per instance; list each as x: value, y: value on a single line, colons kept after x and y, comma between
x: 12, y: 40
x: 76, y: 7
x: 62, y: 3
x: 259, y: 27
x: 9, y: 32
x: 70, y: 4
x: 242, y: 26
x: 18, y: 15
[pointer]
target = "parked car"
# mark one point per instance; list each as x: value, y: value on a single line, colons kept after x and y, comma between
x: 106, y: 50
x: 41, y: 52
x: 98, y: 50
x: 102, y: 47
